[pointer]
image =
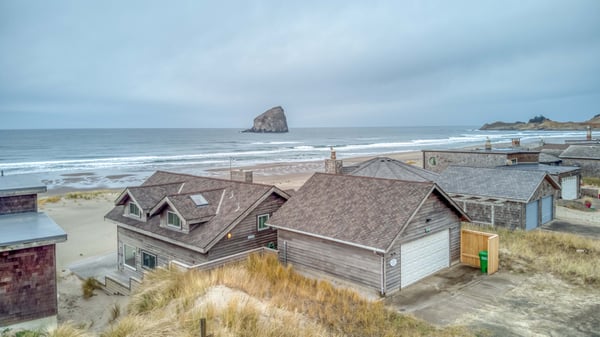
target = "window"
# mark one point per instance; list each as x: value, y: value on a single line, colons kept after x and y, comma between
x: 129, y: 256
x: 134, y: 210
x: 148, y: 260
x: 173, y: 220
x: 262, y: 221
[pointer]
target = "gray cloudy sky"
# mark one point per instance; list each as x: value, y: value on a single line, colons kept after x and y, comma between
x: 328, y: 63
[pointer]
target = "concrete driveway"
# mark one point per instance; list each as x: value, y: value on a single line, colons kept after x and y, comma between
x: 503, y: 304
x: 570, y: 226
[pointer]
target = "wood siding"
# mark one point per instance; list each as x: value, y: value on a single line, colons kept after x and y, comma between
x: 444, y: 159
x: 27, y: 284
x: 441, y: 217
x: 246, y: 236
x: 339, y: 260
x: 18, y: 204
x: 589, y: 167
x: 164, y: 251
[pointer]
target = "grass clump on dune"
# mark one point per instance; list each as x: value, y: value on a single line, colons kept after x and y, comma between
x: 271, y: 300
x: 87, y: 195
x: 571, y: 257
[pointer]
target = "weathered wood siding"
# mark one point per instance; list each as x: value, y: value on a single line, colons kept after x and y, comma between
x: 27, y: 284
x: 18, y: 204
x: 164, y: 251
x: 346, y: 262
x: 246, y: 236
x: 509, y: 214
x: 524, y: 157
x: 444, y: 159
x: 589, y: 167
x: 441, y: 216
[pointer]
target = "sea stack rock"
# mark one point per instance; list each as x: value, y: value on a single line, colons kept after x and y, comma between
x: 272, y: 120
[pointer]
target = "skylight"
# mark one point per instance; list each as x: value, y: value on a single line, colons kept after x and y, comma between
x: 199, y: 200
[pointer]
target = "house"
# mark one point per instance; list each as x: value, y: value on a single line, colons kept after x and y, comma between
x: 499, y: 197
x: 585, y: 156
x: 191, y: 219
x: 438, y: 160
x: 384, y: 234
x: 388, y: 168
x: 568, y: 177
x: 28, y: 298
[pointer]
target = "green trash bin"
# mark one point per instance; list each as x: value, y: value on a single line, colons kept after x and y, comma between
x: 483, y: 260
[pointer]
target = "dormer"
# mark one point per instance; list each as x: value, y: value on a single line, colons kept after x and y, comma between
x: 131, y: 207
x: 181, y: 212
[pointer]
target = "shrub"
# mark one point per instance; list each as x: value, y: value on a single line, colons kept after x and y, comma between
x: 88, y: 286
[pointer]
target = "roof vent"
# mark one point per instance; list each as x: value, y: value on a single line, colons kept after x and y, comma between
x: 199, y: 200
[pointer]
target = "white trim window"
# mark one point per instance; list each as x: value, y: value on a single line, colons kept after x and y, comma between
x: 261, y: 222
x: 148, y: 260
x: 129, y: 256
x: 173, y: 220
x: 134, y: 210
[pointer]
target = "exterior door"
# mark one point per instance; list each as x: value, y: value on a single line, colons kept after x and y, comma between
x: 531, y: 215
x: 547, y: 214
x: 569, y: 188
x: 422, y: 257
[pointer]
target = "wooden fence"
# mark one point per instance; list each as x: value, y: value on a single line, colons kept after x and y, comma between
x: 472, y: 242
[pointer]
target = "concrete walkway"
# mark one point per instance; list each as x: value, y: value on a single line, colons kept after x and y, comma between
x: 95, y: 266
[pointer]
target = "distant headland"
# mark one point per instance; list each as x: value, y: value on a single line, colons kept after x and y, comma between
x: 543, y: 123
x: 272, y: 120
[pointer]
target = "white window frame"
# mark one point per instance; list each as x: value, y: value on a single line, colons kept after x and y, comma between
x: 137, y: 215
x: 125, y: 256
x: 150, y: 254
x: 172, y: 225
x: 258, y: 217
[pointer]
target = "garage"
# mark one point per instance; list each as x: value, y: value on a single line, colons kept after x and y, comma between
x: 424, y: 256
x: 531, y: 215
x: 569, y: 188
x: 547, y: 209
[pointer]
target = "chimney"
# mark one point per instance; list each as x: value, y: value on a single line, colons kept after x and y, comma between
x: 589, y: 133
x: 516, y: 142
x: 488, y: 144
x: 241, y: 175
x: 333, y: 165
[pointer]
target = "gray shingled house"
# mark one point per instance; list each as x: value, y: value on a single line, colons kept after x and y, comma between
x: 28, y: 239
x: 585, y: 156
x: 568, y: 177
x: 499, y: 197
x: 191, y: 219
x: 388, y: 168
x: 384, y: 234
x: 439, y: 160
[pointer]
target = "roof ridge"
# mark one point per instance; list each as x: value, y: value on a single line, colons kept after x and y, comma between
x: 214, y: 178
x: 155, y: 185
x: 375, y: 178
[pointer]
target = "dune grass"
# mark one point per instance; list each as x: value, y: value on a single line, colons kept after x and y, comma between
x: 49, y: 200
x: 278, y: 302
x: 595, y: 181
x: 571, y: 257
x: 88, y: 286
x: 87, y: 195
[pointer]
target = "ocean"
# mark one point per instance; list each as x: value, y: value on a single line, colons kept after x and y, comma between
x: 115, y: 158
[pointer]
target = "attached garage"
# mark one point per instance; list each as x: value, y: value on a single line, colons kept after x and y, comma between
x: 569, y: 187
x: 547, y: 209
x: 531, y: 215
x: 425, y: 256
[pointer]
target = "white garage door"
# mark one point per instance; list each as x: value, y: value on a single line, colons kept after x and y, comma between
x: 547, y: 209
x: 423, y: 257
x: 569, y: 188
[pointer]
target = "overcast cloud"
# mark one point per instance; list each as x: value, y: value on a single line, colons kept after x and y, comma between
x: 219, y: 64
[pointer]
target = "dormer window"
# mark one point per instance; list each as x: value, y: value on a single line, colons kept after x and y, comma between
x: 173, y: 220
x: 134, y: 210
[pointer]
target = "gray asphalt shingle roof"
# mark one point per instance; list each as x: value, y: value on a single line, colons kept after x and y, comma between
x: 368, y: 212
x: 516, y: 185
x: 384, y: 167
x: 238, y: 197
x: 582, y: 152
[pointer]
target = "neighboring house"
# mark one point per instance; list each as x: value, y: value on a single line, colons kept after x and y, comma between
x: 585, y: 156
x: 438, y: 160
x: 28, y: 239
x: 568, y: 177
x: 500, y: 197
x: 384, y: 234
x: 388, y: 168
x: 191, y: 219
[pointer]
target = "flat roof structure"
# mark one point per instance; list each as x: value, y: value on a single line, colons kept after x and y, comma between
x: 20, y: 185
x: 32, y: 229
x: 492, y: 151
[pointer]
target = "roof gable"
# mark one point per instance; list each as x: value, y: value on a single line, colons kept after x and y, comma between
x: 519, y: 185
x: 384, y: 167
x: 361, y: 211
